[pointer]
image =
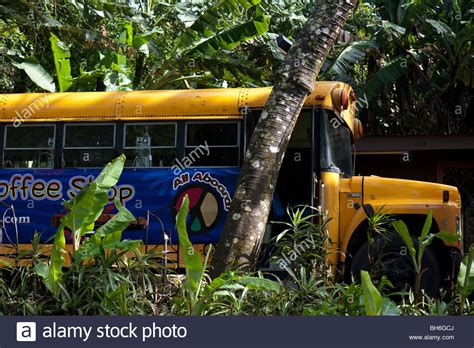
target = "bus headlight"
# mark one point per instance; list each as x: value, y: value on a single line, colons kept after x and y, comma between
x: 340, y: 98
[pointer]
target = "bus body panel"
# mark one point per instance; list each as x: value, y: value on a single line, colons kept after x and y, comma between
x: 222, y: 103
x: 330, y: 208
x: 36, y: 196
x: 350, y: 206
x: 401, y: 197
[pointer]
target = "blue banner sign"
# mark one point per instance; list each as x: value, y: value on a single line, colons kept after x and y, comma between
x: 33, y: 199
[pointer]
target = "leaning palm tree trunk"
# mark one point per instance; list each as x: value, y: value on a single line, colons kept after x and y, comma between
x: 240, y: 242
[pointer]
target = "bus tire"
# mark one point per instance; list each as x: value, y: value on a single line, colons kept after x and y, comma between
x: 388, y: 255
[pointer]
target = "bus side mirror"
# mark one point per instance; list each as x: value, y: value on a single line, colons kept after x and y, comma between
x: 284, y: 43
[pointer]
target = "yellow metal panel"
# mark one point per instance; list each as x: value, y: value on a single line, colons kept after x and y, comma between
x: 399, y: 197
x: 380, y: 191
x: 414, y: 197
x: 352, y: 225
x: 223, y: 103
x: 32, y: 107
x: 212, y: 102
x: 350, y: 196
x: 330, y: 206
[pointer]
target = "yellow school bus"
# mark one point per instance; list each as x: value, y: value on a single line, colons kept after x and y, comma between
x: 191, y: 142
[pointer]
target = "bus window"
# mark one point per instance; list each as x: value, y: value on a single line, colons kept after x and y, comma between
x: 213, y: 144
x: 88, y: 145
x: 336, y: 150
x: 150, y: 145
x: 29, y: 146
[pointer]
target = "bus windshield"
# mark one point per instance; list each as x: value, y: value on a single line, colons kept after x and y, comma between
x: 336, y: 149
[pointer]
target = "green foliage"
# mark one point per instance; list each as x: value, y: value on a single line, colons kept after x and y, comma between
x: 421, y: 66
x: 402, y: 230
x: 350, y: 54
x: 121, y: 47
x: 466, y: 274
x: 424, y: 240
x: 125, y: 287
x: 84, y: 209
x: 465, y: 281
x: 194, y: 267
x: 51, y: 272
x: 108, y: 237
x: 338, y: 299
x: 107, y: 283
x: 378, y: 224
x: 303, y: 243
x: 313, y: 297
x: 37, y: 73
x: 388, y: 74
x: 374, y: 303
x: 196, y: 294
x: 372, y: 298
x: 62, y: 57
x: 231, y: 38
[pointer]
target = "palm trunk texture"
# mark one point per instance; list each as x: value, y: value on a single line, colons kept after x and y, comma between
x: 240, y: 242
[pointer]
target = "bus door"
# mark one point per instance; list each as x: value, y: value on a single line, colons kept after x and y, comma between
x: 332, y: 160
x: 294, y: 180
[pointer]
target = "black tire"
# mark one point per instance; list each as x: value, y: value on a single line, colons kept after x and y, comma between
x: 389, y: 256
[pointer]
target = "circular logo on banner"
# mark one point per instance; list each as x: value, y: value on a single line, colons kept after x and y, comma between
x: 204, y: 210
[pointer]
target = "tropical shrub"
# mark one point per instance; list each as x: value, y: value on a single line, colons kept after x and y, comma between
x: 424, y: 240
x: 107, y: 275
x: 302, y: 243
x: 200, y: 295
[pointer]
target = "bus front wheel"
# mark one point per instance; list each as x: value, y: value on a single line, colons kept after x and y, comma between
x: 388, y: 256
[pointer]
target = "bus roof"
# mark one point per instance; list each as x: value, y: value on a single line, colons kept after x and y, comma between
x: 224, y: 103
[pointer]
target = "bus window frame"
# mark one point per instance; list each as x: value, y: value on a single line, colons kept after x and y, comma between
x: 142, y: 123
x: 5, y: 148
x: 323, y: 132
x: 238, y: 146
x: 152, y: 123
x: 28, y: 148
x: 64, y: 147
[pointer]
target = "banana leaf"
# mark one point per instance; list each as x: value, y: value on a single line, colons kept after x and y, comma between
x: 371, y: 296
x: 62, y: 62
x: 37, y: 74
x: 192, y: 260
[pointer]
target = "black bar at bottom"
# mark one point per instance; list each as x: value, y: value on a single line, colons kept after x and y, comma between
x: 327, y: 332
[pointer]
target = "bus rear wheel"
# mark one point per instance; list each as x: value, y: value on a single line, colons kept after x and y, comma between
x: 388, y: 256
